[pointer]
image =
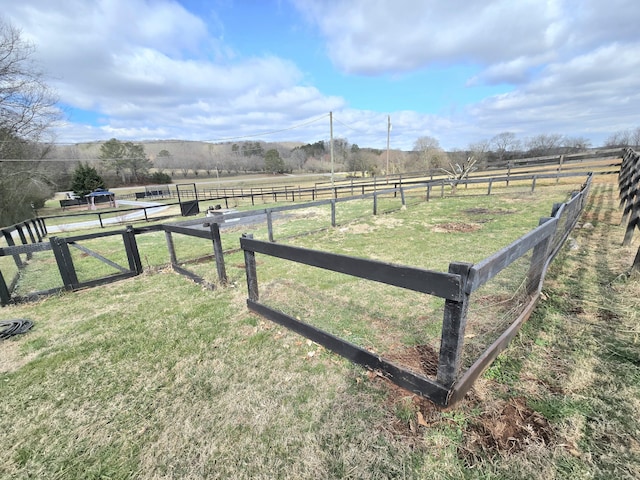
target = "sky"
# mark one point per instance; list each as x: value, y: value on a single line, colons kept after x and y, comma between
x: 461, y: 71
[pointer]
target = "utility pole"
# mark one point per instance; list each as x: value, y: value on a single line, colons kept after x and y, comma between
x: 331, y: 143
x: 388, y: 135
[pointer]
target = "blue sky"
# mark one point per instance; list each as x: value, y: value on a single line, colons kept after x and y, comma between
x: 459, y: 71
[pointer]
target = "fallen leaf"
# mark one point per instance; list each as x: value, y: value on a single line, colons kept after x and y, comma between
x: 421, y: 420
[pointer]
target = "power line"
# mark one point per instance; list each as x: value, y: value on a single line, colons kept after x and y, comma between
x: 293, y: 127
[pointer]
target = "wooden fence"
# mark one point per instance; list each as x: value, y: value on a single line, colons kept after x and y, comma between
x: 208, y: 228
x: 456, y: 286
x: 629, y: 185
x: 68, y: 274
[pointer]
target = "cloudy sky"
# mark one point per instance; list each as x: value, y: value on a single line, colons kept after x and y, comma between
x: 458, y: 70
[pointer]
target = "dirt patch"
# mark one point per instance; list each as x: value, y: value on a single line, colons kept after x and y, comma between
x: 389, y: 222
x: 422, y: 359
x: 456, y: 227
x: 360, y: 228
x: 510, y: 428
x: 487, y: 211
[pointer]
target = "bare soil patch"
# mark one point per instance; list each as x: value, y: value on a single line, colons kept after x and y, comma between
x: 456, y: 227
x: 422, y: 359
x: 488, y: 211
x: 509, y: 428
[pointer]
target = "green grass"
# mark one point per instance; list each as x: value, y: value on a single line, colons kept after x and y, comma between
x: 156, y: 377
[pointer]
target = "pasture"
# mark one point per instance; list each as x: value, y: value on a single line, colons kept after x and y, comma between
x: 157, y: 377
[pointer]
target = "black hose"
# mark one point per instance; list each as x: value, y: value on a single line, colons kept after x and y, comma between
x: 14, y: 327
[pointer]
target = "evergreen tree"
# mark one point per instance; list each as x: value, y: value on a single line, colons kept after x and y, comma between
x: 85, y: 180
x: 272, y: 162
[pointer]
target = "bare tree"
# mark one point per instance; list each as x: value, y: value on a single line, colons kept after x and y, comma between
x: 504, y: 145
x: 430, y: 153
x: 27, y: 110
x: 576, y: 144
x: 544, y: 144
x: 458, y: 172
x: 479, y: 151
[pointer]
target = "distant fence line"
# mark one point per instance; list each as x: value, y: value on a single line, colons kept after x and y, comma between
x: 348, y: 189
x: 456, y: 287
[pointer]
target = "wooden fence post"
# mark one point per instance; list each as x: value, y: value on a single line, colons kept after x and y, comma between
x: 375, y: 203
x: 538, y: 259
x: 402, y: 199
x: 490, y: 184
x: 219, y: 254
x: 453, y: 327
x: 171, y: 247
x: 333, y: 213
x: 30, y: 232
x: 252, y: 274
x: 131, y: 247
x: 43, y: 227
x: 270, y: 224
x: 634, y: 220
x: 9, y: 238
x: 23, y: 239
x: 65, y: 262
x: 533, y: 183
x: 5, y: 296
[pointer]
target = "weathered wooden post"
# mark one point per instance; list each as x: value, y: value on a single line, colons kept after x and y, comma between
x: 9, y: 238
x: 218, y: 253
x: 250, y: 268
x: 538, y: 259
x: 333, y: 213
x: 23, y: 239
x: 375, y: 203
x: 29, y: 231
x: 5, y: 296
x: 402, y: 199
x: 171, y: 248
x: 490, y: 184
x: 453, y: 327
x: 65, y: 262
x: 270, y: 224
x: 131, y: 247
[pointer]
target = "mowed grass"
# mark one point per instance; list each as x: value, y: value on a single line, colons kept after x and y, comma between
x: 156, y: 377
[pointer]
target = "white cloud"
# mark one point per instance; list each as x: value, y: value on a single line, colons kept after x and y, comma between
x: 373, y: 37
x: 597, y: 91
x: 152, y: 68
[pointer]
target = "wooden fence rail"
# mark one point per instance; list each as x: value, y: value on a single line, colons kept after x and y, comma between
x: 456, y: 286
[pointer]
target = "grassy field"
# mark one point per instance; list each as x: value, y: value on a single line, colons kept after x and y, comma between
x: 156, y: 377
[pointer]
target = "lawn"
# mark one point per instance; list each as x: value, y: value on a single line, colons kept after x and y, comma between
x: 157, y: 377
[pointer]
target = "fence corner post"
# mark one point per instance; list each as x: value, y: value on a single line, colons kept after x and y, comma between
x: 453, y: 326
